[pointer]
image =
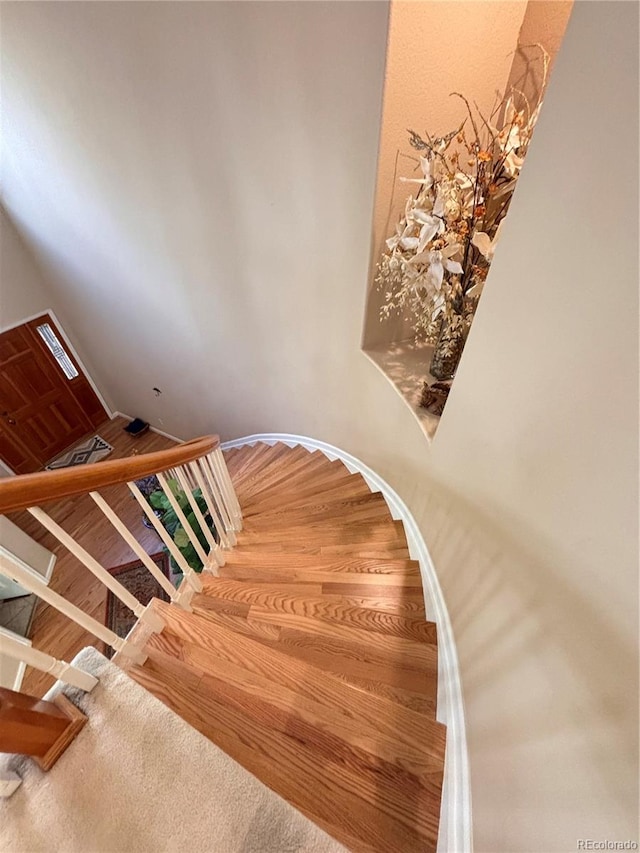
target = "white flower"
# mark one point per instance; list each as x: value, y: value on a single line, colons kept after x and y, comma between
x: 510, y: 139
x: 431, y: 226
x: 513, y: 164
x: 437, y: 261
x: 485, y: 245
x: 403, y: 233
x: 409, y: 243
x: 438, y: 207
x: 427, y: 179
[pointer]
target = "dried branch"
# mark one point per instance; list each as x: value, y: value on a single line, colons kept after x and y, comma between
x: 473, y: 123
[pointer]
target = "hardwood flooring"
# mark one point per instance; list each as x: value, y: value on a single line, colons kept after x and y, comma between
x: 52, y: 632
x: 309, y: 659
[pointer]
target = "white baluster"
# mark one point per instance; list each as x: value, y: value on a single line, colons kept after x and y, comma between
x: 135, y: 546
x: 214, y: 479
x: 189, y: 475
x: 211, y: 505
x: 175, y: 474
x: 219, y: 470
x: 214, y: 550
x: 152, y: 619
x: 47, y: 663
x: 218, y: 457
x: 210, y: 479
x: 19, y: 572
x: 188, y: 574
x: 188, y: 529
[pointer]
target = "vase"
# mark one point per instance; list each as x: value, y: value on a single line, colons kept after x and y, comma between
x: 448, y: 351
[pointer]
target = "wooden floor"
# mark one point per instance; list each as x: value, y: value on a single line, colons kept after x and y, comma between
x: 309, y: 660
x: 51, y: 631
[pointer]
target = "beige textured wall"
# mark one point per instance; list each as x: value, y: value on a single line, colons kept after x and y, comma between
x: 434, y: 48
x: 544, y: 23
x: 202, y: 206
x: 22, y: 289
x: 528, y: 496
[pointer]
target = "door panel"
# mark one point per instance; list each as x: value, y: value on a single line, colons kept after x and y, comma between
x: 40, y: 415
x: 80, y: 387
x: 88, y: 400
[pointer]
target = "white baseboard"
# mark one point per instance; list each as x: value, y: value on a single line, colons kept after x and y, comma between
x: 455, y: 820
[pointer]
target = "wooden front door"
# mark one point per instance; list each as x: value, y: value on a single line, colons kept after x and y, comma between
x: 46, y: 402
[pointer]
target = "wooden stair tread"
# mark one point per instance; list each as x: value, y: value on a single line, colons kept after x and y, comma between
x: 417, y: 650
x: 356, y: 550
x: 282, y: 561
x: 204, y: 645
x: 273, y: 464
x: 235, y: 457
x: 296, y: 470
x: 324, y: 596
x: 267, y: 594
x: 345, y: 487
x: 331, y: 709
x: 411, y: 605
x: 370, y: 657
x: 246, y: 457
x: 329, y: 499
x: 359, y: 801
x: 294, y: 492
x: 335, y: 533
x: 348, y: 549
x: 268, y: 458
x: 223, y: 644
x: 321, y: 607
x: 314, y: 575
x: 360, y: 507
x: 309, y: 659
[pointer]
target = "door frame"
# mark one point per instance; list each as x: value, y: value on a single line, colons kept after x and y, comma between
x: 60, y: 328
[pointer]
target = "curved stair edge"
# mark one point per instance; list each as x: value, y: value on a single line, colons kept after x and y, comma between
x: 456, y: 816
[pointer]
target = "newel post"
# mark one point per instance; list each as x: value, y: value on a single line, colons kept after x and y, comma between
x: 37, y: 727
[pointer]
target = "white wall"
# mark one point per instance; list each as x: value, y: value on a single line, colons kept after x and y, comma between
x: 534, y: 523
x: 194, y: 187
x: 528, y: 496
x: 22, y: 289
x: 202, y: 199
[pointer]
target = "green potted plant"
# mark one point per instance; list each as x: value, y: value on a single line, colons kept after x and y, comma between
x: 160, y: 502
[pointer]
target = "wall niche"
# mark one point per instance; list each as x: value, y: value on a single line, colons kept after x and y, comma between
x: 463, y: 85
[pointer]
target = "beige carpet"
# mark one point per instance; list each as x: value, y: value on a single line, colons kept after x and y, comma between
x: 138, y: 778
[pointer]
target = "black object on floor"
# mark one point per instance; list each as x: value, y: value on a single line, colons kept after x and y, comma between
x: 137, y: 427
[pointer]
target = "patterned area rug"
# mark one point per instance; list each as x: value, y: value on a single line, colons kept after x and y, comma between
x: 142, y: 585
x: 90, y: 450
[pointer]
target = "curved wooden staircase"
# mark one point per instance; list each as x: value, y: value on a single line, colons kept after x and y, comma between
x: 309, y: 659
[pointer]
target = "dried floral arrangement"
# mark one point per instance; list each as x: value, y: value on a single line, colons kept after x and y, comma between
x: 436, y: 263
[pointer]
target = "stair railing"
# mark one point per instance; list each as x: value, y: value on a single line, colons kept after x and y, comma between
x: 192, y: 467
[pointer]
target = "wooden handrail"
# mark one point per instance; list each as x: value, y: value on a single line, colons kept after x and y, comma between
x: 27, y: 490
